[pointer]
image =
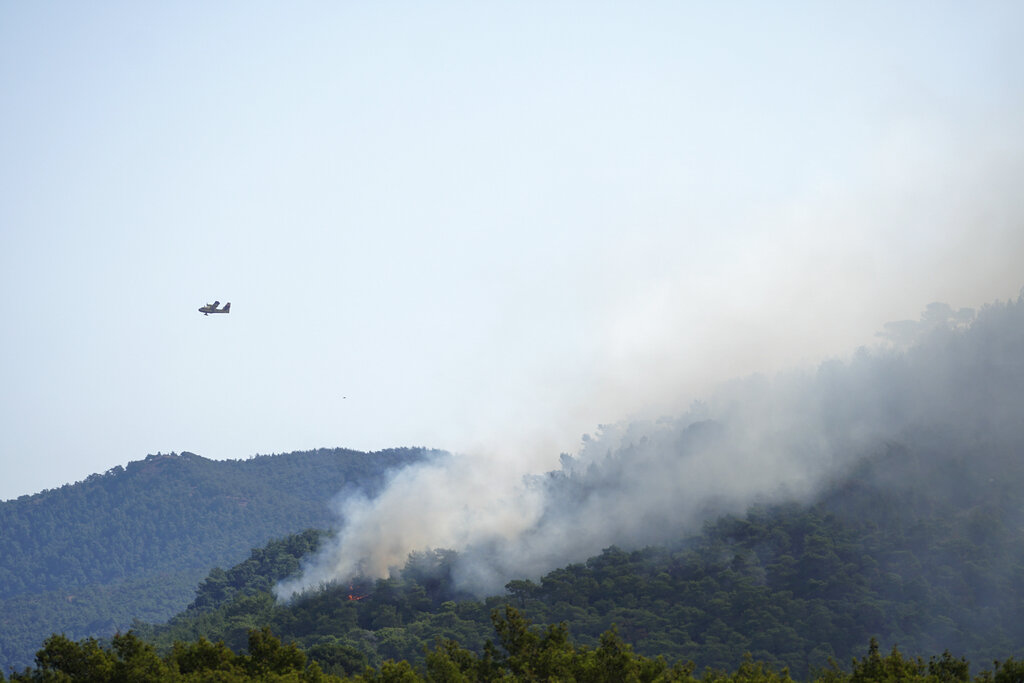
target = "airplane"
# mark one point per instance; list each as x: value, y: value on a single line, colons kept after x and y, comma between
x: 212, y: 308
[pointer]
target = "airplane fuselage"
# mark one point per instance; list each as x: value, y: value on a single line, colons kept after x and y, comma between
x: 212, y: 308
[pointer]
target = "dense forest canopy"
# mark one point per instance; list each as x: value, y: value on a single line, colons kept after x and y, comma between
x: 519, y: 652
x: 793, y: 585
x: 88, y: 558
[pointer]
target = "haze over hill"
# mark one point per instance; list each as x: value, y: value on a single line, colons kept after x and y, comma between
x: 954, y: 373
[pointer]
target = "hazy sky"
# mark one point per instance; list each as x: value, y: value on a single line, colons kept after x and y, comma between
x: 484, y: 227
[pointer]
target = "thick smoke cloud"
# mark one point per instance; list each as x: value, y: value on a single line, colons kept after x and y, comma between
x: 758, y: 439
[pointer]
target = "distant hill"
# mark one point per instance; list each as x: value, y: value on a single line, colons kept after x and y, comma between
x: 87, y: 558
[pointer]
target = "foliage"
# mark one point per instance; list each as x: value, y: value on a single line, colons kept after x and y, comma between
x: 88, y: 558
x: 794, y: 586
x: 523, y: 653
x: 129, y: 658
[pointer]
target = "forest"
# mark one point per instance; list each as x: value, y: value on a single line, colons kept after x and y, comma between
x: 904, y: 534
x: 87, y: 558
x: 793, y: 587
x: 519, y: 652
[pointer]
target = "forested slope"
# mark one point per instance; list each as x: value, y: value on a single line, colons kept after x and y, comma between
x: 793, y: 585
x: 87, y: 558
x: 797, y: 519
x: 911, y: 530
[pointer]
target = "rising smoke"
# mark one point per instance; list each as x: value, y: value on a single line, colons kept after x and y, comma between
x: 756, y: 439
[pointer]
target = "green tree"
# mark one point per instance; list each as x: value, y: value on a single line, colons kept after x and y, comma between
x: 946, y: 669
x: 268, y: 655
x: 892, y: 669
x: 83, y: 661
x: 393, y: 672
x: 137, y: 660
x: 335, y: 657
x: 201, y: 655
x: 1010, y: 671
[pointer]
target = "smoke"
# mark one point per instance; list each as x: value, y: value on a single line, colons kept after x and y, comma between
x: 449, y: 501
x: 756, y: 439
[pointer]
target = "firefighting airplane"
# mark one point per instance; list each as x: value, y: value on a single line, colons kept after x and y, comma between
x: 212, y: 308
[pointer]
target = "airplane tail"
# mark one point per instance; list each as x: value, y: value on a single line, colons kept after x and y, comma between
x: 227, y: 307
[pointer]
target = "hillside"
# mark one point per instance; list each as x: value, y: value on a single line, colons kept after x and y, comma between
x: 88, y: 558
x: 795, y: 586
x: 911, y: 530
x: 795, y: 518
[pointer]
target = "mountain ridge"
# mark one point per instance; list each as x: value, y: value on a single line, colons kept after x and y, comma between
x: 81, y: 558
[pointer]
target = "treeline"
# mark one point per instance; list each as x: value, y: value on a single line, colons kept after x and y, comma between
x: 522, y: 653
x: 88, y: 558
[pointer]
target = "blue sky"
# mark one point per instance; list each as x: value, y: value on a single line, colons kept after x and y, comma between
x: 484, y: 227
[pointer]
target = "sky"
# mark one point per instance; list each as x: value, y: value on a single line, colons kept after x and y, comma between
x: 481, y: 227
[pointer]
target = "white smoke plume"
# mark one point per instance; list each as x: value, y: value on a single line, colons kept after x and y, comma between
x: 446, y: 502
x: 757, y: 439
